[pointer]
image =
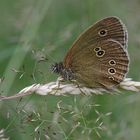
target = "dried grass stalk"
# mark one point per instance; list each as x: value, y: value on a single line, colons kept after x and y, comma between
x: 60, y: 88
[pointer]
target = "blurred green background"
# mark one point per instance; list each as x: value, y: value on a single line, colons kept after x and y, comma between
x: 32, y: 30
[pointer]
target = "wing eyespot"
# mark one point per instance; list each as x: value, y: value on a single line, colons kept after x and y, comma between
x: 111, y: 71
x: 102, y: 32
x: 112, y: 62
x: 97, y: 49
x: 100, y: 53
x: 111, y: 78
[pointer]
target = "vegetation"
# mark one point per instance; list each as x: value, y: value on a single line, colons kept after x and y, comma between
x: 35, y: 34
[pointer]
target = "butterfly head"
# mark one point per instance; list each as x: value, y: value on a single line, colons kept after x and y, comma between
x: 57, y: 68
x: 66, y: 73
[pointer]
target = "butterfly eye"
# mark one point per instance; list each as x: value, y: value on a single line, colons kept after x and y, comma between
x: 112, y: 62
x: 97, y: 49
x: 102, y: 32
x: 100, y: 53
x: 111, y: 71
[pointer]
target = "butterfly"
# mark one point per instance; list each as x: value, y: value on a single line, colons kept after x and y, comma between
x: 99, y: 57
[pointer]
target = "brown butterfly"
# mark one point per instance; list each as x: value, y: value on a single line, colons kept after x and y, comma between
x: 98, y: 58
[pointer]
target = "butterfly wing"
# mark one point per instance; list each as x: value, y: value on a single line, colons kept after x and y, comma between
x: 108, y: 28
x: 103, y: 64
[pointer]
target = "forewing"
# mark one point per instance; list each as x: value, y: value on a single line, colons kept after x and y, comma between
x: 114, y: 29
